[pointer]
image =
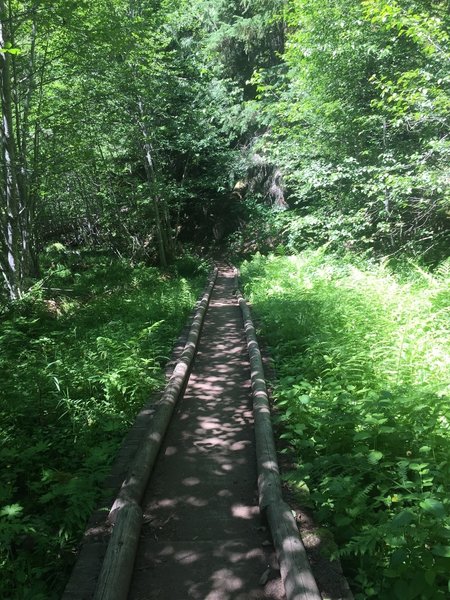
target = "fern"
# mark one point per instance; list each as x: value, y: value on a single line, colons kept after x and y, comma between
x: 442, y: 271
x: 371, y: 353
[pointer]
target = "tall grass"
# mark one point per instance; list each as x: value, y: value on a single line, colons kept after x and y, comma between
x: 363, y: 389
x: 76, y: 368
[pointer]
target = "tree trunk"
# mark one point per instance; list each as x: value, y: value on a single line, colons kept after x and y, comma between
x: 148, y: 165
x: 11, y: 258
x: 135, y: 9
x: 17, y: 208
x: 24, y: 177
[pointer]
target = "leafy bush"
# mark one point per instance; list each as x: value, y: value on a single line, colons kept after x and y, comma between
x: 260, y: 228
x: 190, y: 264
x: 363, y: 360
x: 76, y: 367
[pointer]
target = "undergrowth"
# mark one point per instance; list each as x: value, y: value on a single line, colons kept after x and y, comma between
x: 362, y: 358
x: 78, y: 356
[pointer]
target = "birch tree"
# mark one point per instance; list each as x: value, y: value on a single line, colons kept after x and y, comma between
x: 11, y: 262
x: 17, y: 200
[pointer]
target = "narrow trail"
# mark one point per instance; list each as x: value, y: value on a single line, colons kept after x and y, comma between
x: 202, y: 536
x: 187, y: 520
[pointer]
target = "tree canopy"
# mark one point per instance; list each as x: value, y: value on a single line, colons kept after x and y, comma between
x: 128, y: 124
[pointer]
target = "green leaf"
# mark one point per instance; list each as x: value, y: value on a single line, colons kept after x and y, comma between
x: 375, y: 456
x: 433, y: 507
x: 10, y: 50
x: 440, y: 550
x: 402, y: 590
x: 398, y: 557
x: 417, y: 466
x: 11, y: 511
x: 430, y: 576
x: 404, y: 518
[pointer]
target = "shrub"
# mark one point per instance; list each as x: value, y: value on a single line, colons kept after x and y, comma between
x: 76, y: 367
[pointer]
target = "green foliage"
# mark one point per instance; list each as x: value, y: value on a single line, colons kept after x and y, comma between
x: 358, y: 120
x: 363, y: 396
x: 345, y: 105
x: 268, y: 229
x: 9, y: 49
x: 190, y: 264
x: 86, y: 121
x: 260, y: 229
x: 77, y: 365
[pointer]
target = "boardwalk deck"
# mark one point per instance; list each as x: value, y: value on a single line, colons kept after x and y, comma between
x: 202, y: 535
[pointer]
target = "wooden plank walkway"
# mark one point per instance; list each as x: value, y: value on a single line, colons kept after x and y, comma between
x: 202, y: 535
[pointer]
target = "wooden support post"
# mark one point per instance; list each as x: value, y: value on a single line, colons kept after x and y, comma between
x: 298, y: 580
x: 118, y: 563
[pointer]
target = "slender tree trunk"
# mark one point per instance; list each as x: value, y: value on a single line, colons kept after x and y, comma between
x: 17, y: 200
x: 26, y: 197
x: 135, y: 9
x: 159, y: 227
x: 149, y: 171
x: 169, y: 239
x: 11, y: 259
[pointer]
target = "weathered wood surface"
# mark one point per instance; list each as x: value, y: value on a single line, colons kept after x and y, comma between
x: 298, y: 580
x: 126, y: 514
x: 118, y: 563
x: 218, y: 392
x: 296, y: 574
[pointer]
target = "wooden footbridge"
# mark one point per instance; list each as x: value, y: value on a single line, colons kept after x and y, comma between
x: 199, y: 512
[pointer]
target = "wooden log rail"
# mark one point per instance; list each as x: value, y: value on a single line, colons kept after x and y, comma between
x: 126, y: 512
x: 298, y: 580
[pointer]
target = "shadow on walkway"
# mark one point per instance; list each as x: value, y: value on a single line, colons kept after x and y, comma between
x: 202, y: 536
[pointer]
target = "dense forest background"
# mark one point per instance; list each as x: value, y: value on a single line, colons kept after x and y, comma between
x: 140, y: 138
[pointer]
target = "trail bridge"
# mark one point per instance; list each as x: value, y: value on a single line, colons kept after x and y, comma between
x: 199, y: 514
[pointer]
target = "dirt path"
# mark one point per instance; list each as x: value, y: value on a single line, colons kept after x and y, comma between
x: 203, y: 537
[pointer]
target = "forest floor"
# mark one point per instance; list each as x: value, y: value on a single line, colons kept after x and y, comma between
x: 203, y: 536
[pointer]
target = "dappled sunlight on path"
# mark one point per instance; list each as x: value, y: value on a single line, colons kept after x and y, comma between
x: 202, y: 536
